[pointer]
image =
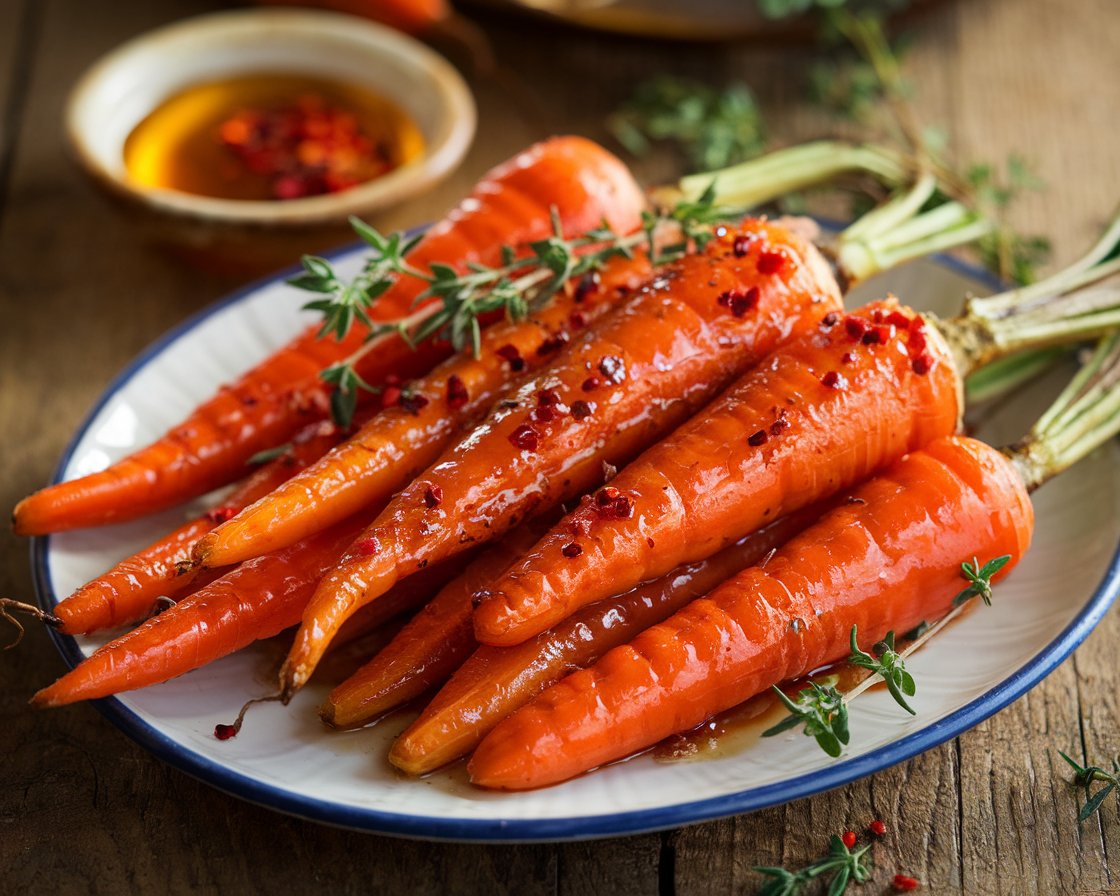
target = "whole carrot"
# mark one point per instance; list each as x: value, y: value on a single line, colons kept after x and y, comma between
x: 496, y: 681
x: 431, y: 646
x: 129, y: 590
x: 638, y: 373
x: 885, y: 562
x: 394, y: 446
x: 820, y: 414
x: 569, y: 176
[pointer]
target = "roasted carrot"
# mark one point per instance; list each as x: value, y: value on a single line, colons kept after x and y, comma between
x: 633, y: 377
x: 496, y: 681
x: 820, y: 414
x: 573, y: 177
x: 129, y: 590
x: 431, y: 646
x: 386, y: 453
x: 256, y: 600
x: 885, y: 562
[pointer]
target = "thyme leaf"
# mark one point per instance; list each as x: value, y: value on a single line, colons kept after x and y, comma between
x: 822, y: 711
x: 980, y: 579
x: 840, y: 867
x: 890, y: 665
x: 1084, y: 776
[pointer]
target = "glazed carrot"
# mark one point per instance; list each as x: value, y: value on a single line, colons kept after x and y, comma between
x: 819, y: 415
x: 129, y: 590
x: 633, y: 377
x: 431, y: 646
x: 256, y: 600
x: 496, y: 681
x: 883, y: 563
x: 512, y: 205
x: 393, y: 447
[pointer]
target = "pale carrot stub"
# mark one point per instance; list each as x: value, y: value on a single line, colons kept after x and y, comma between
x: 820, y: 414
x: 496, y: 681
x: 572, y: 177
x: 422, y: 418
x: 632, y: 378
x: 885, y: 562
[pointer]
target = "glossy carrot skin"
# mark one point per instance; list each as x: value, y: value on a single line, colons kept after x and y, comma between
x: 128, y: 591
x: 884, y: 563
x: 582, y: 182
x: 821, y: 414
x: 431, y: 646
x: 397, y: 444
x: 256, y: 600
x: 629, y: 380
x: 496, y: 681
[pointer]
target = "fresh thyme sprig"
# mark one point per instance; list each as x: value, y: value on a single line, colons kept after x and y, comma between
x: 823, y: 712
x: 844, y: 866
x: 980, y: 579
x: 890, y: 665
x: 1084, y: 776
x: 519, y: 285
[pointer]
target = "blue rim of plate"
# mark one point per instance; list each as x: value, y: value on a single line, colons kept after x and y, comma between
x: 548, y: 829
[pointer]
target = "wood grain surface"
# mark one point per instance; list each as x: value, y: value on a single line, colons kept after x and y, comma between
x: 85, y: 810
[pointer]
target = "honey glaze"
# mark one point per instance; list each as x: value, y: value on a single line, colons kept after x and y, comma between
x: 270, y: 136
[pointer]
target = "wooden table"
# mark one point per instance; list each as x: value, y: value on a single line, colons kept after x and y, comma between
x: 83, y: 809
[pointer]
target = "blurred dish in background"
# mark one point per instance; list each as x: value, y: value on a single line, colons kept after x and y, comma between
x: 349, y: 61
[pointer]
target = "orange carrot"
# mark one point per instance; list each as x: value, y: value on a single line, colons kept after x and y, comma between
x: 578, y: 180
x: 819, y: 415
x: 885, y: 562
x: 129, y: 590
x: 429, y: 648
x: 386, y: 453
x: 632, y: 378
x: 256, y: 600
x: 496, y: 681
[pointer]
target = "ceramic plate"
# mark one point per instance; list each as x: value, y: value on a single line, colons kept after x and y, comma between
x: 286, y: 760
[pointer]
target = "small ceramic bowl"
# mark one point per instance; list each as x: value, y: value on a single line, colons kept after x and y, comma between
x: 122, y: 88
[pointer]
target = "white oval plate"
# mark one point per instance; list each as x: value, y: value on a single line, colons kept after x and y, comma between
x: 286, y: 760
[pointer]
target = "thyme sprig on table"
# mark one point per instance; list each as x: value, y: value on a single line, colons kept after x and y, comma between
x: 1084, y: 776
x: 843, y: 864
x: 522, y: 283
x: 823, y: 710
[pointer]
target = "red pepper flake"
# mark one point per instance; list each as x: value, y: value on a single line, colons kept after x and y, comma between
x: 759, y: 438
x: 457, y: 394
x: 366, y: 547
x: 413, y: 402
x: 613, y: 369
x: 571, y: 550
x: 740, y: 301
x: 903, y: 883
x: 591, y: 384
x: 830, y: 320
x: 771, y: 262
x: 876, y: 336
x: 221, y: 514
x: 582, y: 409
x: 578, y: 320
x: 779, y: 426
x: 548, y: 396
x: 847, y: 357
x: 898, y: 319
x: 525, y: 437
x: 390, y: 396
x: 588, y: 284
x: 855, y: 326
x: 835, y: 380
x: 225, y: 732
x: 878, y: 315
x: 917, y: 342
x: 546, y: 413
x: 849, y: 838
x: 877, y: 828
x: 510, y: 354
x: 611, y: 504
x: 742, y: 244
x: 921, y: 364
x: 433, y: 496
x: 553, y: 344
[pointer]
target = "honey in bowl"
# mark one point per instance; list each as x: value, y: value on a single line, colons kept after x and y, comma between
x: 270, y: 137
